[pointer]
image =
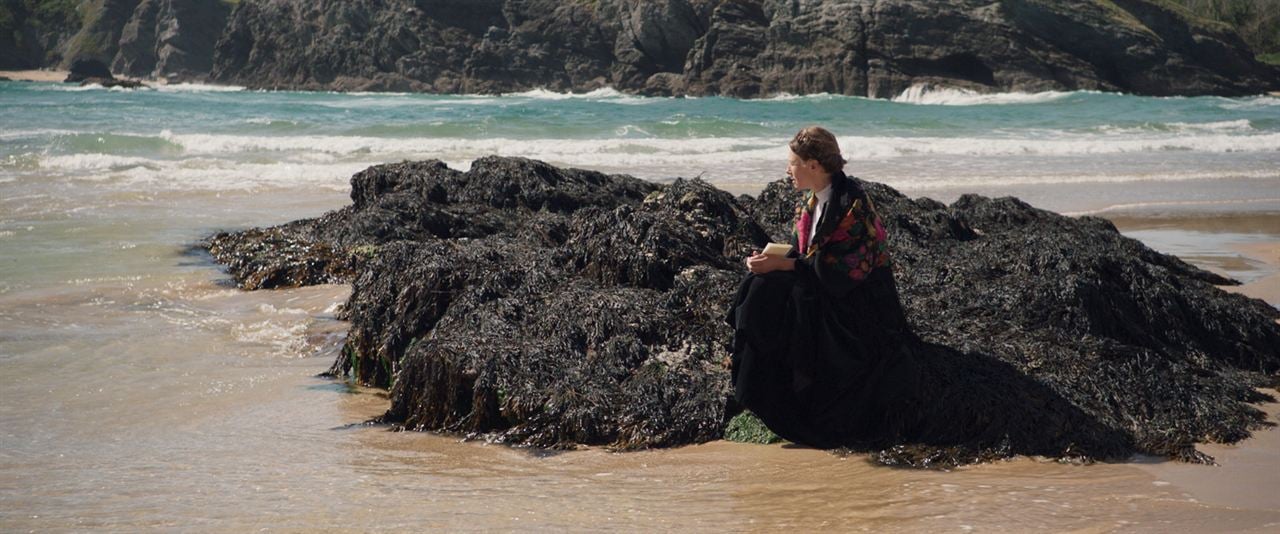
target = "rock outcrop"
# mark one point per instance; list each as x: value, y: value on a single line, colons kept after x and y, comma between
x: 94, y: 72
x: 113, y: 82
x: 553, y: 307
x: 742, y: 48
x: 171, y: 39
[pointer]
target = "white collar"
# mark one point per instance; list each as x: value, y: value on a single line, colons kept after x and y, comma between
x: 824, y: 195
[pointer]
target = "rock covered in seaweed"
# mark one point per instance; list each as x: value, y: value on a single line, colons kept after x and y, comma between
x: 555, y: 307
x: 419, y: 201
x: 1111, y: 325
x: 687, y: 223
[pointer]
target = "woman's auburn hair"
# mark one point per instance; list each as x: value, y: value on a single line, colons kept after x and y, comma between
x: 817, y: 143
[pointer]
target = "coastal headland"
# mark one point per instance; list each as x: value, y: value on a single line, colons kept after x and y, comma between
x: 534, y: 305
x: 745, y: 49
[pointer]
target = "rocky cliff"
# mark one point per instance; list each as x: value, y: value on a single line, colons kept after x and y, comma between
x: 170, y: 39
x: 552, y: 307
x: 99, y: 37
x: 30, y: 35
x: 743, y: 48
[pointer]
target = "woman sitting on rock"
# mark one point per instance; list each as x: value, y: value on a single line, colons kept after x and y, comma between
x: 822, y: 352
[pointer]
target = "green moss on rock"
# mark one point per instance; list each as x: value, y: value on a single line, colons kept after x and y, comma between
x: 747, y: 428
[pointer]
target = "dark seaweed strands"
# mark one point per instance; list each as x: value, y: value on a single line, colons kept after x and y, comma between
x: 554, y: 307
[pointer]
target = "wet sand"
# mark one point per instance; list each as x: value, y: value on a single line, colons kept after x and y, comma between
x: 140, y: 391
x: 1247, y: 476
x: 1245, y: 247
x: 1266, y: 287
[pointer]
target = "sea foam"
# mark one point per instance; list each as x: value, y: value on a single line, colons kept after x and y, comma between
x: 857, y: 146
x: 197, y: 88
x: 603, y: 94
x: 245, y: 160
x: 950, y: 96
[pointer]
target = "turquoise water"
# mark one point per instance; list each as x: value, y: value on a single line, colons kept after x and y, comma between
x: 938, y: 143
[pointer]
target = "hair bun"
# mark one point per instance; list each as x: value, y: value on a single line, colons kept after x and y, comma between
x: 817, y: 143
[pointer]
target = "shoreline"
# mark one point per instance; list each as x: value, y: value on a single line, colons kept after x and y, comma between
x: 1268, y: 287
x: 59, y: 76
x: 1244, y: 474
x: 35, y: 75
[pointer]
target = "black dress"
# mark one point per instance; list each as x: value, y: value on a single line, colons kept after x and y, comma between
x: 823, y: 354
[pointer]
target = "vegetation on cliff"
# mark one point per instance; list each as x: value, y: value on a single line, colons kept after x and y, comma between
x: 31, y: 30
x: 1257, y: 21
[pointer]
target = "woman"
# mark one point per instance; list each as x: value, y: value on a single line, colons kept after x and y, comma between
x: 822, y: 349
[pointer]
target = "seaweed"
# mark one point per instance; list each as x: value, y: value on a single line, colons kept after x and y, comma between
x: 549, y: 307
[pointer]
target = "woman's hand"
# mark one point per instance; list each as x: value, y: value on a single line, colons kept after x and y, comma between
x: 759, y: 263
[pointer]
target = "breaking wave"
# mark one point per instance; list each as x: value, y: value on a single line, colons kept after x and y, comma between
x: 950, y: 96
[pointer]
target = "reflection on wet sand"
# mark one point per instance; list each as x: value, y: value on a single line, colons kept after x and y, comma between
x: 731, y: 486
x: 739, y: 487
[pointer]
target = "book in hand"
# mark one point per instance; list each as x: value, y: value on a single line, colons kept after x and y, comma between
x: 777, y: 250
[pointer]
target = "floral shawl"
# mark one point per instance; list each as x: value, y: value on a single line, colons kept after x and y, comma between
x: 844, y: 251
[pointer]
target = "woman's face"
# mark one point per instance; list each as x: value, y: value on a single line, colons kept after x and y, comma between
x: 805, y: 173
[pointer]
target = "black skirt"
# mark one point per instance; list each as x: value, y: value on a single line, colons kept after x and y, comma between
x: 825, y: 371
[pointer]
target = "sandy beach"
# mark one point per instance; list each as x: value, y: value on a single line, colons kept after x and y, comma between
x: 1267, y: 287
x: 40, y: 75
x: 58, y: 76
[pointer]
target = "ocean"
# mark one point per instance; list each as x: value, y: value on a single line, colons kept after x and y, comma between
x: 140, y: 390
x: 1083, y: 146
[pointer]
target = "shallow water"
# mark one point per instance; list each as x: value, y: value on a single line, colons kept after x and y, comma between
x: 138, y: 389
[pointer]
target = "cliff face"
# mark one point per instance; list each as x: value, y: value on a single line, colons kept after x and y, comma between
x: 170, y: 39
x: 740, y: 48
x: 424, y: 45
x: 743, y: 48
x: 58, y: 33
x: 30, y: 36
x: 99, y: 37
x: 142, y: 38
